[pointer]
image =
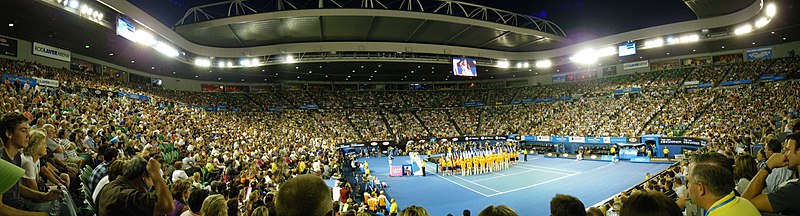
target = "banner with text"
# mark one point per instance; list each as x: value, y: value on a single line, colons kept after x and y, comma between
x: 46, y: 82
x: 759, y: 53
x: 634, y: 65
x: 8, y: 46
x: 51, y: 52
x: 682, y: 141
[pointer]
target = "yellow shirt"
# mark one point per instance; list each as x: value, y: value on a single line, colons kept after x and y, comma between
x: 393, y: 208
x: 733, y: 205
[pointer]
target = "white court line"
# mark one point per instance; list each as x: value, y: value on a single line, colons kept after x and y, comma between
x: 534, y: 185
x: 465, y: 187
x: 549, y: 168
x: 517, y: 173
x: 549, y: 171
x: 479, y: 185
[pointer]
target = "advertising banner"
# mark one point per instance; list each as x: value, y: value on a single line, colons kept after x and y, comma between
x: 634, y: 65
x: 22, y: 80
x: 46, y: 82
x: 607, y: 157
x: 396, y: 171
x: 133, y: 96
x: 640, y: 159
x: 559, y: 139
x: 664, y: 65
x: 8, y: 46
x: 759, y: 53
x: 543, y: 138
x: 736, y: 82
x: 634, y: 140
x: 610, y: 71
x: 577, y: 139
x: 51, y: 52
x: 594, y: 139
x: 682, y: 141
x: 559, y: 78
x: 697, y: 61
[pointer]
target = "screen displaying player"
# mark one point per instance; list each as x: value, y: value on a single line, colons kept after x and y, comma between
x: 464, y: 67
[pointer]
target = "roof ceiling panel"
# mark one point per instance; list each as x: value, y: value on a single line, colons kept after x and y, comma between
x: 477, y: 36
x: 437, y: 32
x: 275, y: 31
x: 218, y: 36
x: 345, y: 28
x: 393, y: 29
x: 510, y: 41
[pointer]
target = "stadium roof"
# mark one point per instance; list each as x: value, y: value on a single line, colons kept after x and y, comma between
x: 580, y: 20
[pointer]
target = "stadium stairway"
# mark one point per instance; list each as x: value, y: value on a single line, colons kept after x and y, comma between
x: 450, y: 117
x: 419, y: 120
x: 386, y: 123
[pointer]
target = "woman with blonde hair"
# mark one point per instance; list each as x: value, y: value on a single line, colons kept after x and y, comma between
x: 214, y: 205
x: 414, y: 211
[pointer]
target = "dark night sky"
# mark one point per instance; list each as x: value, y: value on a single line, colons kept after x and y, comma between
x: 581, y: 19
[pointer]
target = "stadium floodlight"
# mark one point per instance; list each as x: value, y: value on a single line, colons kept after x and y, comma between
x: 166, y: 49
x: 290, y: 59
x: 658, y: 42
x: 220, y: 64
x: 526, y: 65
x: 144, y: 38
x: 202, y: 62
x: 255, y: 62
x: 606, y: 51
x: 94, y: 14
x: 100, y: 16
x: 503, y: 64
x: 586, y: 56
x: 746, y: 28
x: 771, y: 10
x: 244, y: 62
x: 519, y: 64
x: 689, y: 38
x: 74, y: 4
x: 84, y: 9
x: 230, y: 64
x: 761, y: 22
x: 544, y: 64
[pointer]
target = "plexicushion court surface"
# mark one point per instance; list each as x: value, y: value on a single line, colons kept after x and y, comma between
x: 526, y: 187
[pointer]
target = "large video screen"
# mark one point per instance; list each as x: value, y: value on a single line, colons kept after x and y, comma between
x: 627, y: 49
x: 126, y: 29
x: 464, y: 67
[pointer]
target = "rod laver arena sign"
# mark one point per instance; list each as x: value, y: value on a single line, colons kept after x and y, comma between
x: 51, y: 52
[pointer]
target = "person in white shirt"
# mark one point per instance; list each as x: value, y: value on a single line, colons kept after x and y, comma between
x: 179, y: 173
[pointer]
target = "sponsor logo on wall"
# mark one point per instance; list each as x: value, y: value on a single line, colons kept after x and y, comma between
x: 51, y: 52
x: 759, y: 53
x: 634, y: 65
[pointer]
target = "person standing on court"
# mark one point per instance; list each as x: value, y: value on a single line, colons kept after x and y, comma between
x: 666, y: 152
x: 525, y: 154
x: 423, y: 169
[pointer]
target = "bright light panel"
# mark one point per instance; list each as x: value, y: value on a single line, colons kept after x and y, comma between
x: 74, y: 4
x: 220, y: 64
x: 586, y: 56
x: 544, y: 64
x: 166, y: 49
x: 290, y: 59
x: 202, y: 62
x: 503, y: 64
x: 763, y: 21
x: 771, y: 10
x: 526, y: 65
x: 145, y: 38
x: 658, y: 42
x: 743, y: 29
x: 244, y: 62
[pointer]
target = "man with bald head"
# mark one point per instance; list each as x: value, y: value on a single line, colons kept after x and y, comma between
x: 304, y: 195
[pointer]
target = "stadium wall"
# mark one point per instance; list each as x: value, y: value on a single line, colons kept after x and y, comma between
x: 25, y: 52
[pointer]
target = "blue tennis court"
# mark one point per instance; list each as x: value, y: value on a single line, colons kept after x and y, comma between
x: 527, y: 186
